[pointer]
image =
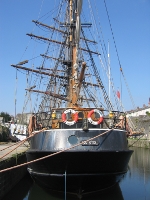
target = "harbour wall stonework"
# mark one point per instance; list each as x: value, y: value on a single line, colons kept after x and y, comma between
x: 11, y: 177
x: 139, y: 143
x: 142, y: 124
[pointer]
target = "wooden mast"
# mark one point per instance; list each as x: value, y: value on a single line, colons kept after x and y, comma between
x: 72, y: 90
x: 70, y: 94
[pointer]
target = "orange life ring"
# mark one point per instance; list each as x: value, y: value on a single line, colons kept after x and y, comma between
x: 95, y: 122
x: 70, y: 123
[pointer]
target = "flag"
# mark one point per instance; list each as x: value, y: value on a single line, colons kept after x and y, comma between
x: 118, y: 94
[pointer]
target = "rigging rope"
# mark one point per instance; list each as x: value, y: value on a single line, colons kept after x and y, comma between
x: 41, y: 78
x: 121, y: 70
x: 16, y: 94
x: 118, y: 55
x: 106, y: 99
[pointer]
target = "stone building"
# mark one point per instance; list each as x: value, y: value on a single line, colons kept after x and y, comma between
x: 141, y: 120
x: 139, y: 111
x: 23, y: 118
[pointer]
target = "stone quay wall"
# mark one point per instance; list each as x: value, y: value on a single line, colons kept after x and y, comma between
x: 142, y: 124
x: 139, y: 143
x: 11, y: 177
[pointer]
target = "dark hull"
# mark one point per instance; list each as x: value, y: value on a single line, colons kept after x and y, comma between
x: 85, y: 169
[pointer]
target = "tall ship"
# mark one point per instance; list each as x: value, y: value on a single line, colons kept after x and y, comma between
x: 78, y: 133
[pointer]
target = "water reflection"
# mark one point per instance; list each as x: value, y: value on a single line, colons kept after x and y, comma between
x: 20, y: 191
x: 136, y: 183
x: 140, y: 162
x: 114, y: 193
x: 134, y: 186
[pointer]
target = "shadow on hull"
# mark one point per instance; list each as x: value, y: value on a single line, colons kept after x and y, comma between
x: 85, y: 171
x: 113, y: 192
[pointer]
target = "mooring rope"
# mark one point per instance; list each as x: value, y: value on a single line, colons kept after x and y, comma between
x: 42, y: 158
x: 136, y: 141
x: 20, y: 143
x: 12, y: 145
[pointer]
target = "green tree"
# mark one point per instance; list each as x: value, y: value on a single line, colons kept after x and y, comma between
x: 148, y: 113
x: 4, y: 134
x: 5, y: 116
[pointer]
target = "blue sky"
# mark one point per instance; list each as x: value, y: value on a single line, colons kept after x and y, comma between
x: 130, y: 21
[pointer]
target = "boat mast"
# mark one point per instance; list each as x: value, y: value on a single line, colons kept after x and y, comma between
x: 108, y: 72
x: 75, y: 9
x: 72, y: 94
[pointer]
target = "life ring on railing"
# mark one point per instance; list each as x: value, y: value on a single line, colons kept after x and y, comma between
x: 75, y: 117
x: 95, y: 122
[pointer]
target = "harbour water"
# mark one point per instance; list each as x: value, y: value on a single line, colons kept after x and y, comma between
x: 134, y: 186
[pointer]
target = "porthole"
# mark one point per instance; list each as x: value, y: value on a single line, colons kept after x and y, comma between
x: 72, y: 139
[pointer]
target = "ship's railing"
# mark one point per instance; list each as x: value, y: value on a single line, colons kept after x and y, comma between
x: 72, y: 118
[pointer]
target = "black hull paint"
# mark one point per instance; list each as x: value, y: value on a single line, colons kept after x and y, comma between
x: 83, y: 171
x: 84, y: 167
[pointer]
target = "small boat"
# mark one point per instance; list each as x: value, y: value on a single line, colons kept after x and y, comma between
x: 18, y: 132
x: 79, y: 141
